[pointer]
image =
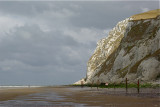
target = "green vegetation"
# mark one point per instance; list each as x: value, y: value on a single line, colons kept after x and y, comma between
x: 122, y: 85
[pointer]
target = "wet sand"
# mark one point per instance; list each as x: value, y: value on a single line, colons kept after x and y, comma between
x: 11, y: 93
x: 78, y: 97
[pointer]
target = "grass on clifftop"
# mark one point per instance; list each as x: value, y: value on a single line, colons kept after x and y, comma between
x: 146, y: 15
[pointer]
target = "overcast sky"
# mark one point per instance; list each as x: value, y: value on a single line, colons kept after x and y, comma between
x: 49, y: 43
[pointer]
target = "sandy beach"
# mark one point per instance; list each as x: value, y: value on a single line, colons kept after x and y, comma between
x: 64, y: 96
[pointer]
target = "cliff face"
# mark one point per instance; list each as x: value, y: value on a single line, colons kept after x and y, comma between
x: 131, y: 50
x: 105, y: 47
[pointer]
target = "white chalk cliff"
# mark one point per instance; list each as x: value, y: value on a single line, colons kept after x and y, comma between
x: 131, y: 50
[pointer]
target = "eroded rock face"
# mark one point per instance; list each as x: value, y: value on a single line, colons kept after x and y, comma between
x: 104, y: 48
x: 131, y: 50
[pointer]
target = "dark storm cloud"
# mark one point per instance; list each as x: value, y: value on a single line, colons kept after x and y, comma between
x: 45, y: 43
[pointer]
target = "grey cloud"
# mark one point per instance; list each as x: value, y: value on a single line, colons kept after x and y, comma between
x: 87, y: 14
x: 29, y: 50
x: 38, y: 44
